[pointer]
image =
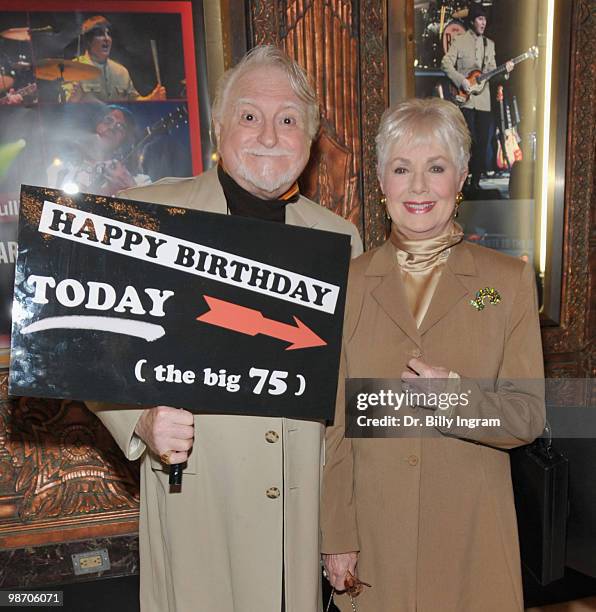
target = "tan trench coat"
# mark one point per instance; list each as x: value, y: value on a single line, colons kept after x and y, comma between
x: 221, y: 545
x: 433, y: 518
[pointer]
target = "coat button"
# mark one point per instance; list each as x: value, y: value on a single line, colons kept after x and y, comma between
x: 413, y: 460
x: 272, y: 492
x: 416, y: 353
x: 272, y: 436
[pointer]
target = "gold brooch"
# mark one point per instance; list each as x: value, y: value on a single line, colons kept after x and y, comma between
x: 491, y: 293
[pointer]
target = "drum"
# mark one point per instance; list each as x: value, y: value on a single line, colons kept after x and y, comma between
x: 454, y: 28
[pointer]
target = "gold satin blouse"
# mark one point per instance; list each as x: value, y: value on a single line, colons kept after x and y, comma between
x: 421, y: 264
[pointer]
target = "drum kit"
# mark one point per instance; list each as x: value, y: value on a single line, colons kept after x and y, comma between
x: 57, y: 70
x: 435, y: 27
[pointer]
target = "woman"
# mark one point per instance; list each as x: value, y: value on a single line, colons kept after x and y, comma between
x: 430, y: 521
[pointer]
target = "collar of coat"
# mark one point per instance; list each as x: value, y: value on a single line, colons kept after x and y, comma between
x: 390, y: 294
x: 460, y: 261
x: 207, y: 189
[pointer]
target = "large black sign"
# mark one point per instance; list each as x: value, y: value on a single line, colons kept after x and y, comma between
x: 137, y: 303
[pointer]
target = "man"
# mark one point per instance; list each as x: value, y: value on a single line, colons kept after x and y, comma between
x: 474, y: 51
x: 243, y: 535
x: 93, y: 162
x: 114, y: 83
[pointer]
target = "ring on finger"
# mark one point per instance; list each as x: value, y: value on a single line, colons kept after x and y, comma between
x: 165, y: 457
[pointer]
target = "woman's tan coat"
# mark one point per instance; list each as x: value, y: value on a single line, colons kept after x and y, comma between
x: 433, y: 518
x: 224, y: 542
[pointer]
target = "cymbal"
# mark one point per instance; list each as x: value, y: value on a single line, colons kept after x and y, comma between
x: 51, y: 69
x: 461, y: 14
x: 21, y: 34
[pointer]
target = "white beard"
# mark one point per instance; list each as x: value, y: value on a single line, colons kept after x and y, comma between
x: 267, y: 178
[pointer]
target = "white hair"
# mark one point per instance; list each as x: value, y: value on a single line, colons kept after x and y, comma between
x: 420, y: 121
x: 269, y: 56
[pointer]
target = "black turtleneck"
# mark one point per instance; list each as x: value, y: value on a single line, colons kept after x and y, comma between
x: 245, y: 204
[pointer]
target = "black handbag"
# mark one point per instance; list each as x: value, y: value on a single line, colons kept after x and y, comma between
x: 540, y: 476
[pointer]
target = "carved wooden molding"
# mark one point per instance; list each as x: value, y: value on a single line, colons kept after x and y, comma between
x: 62, y: 477
x: 571, y: 338
x: 374, y: 93
x: 264, y: 26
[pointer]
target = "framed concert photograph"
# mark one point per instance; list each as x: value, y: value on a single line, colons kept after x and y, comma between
x: 505, y: 64
x: 95, y: 97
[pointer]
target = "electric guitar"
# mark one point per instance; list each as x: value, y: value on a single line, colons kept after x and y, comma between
x: 503, y: 162
x: 478, y: 79
x: 512, y: 139
x: 24, y: 91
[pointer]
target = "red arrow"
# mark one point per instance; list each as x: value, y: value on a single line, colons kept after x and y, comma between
x: 252, y: 322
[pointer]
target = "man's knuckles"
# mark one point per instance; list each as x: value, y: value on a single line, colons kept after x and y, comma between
x: 181, y: 446
x: 173, y: 456
x: 174, y: 415
x: 178, y: 457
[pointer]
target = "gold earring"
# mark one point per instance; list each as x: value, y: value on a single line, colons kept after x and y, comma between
x: 383, y: 202
x: 459, y: 198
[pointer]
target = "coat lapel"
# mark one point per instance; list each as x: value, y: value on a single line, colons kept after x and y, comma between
x: 299, y: 215
x: 390, y: 293
x: 207, y: 194
x: 451, y: 288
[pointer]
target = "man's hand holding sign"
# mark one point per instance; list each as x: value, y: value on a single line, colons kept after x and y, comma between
x: 168, y: 432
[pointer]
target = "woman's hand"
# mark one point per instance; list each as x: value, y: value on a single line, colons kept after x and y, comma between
x: 418, y: 374
x: 419, y: 369
x: 337, y: 567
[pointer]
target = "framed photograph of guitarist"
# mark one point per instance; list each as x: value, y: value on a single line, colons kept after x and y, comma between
x: 95, y: 97
x: 496, y: 60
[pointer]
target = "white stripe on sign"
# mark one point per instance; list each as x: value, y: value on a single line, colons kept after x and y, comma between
x: 171, y: 252
x: 140, y: 329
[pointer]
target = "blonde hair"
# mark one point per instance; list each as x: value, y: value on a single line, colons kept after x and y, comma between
x: 271, y: 57
x: 420, y: 121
